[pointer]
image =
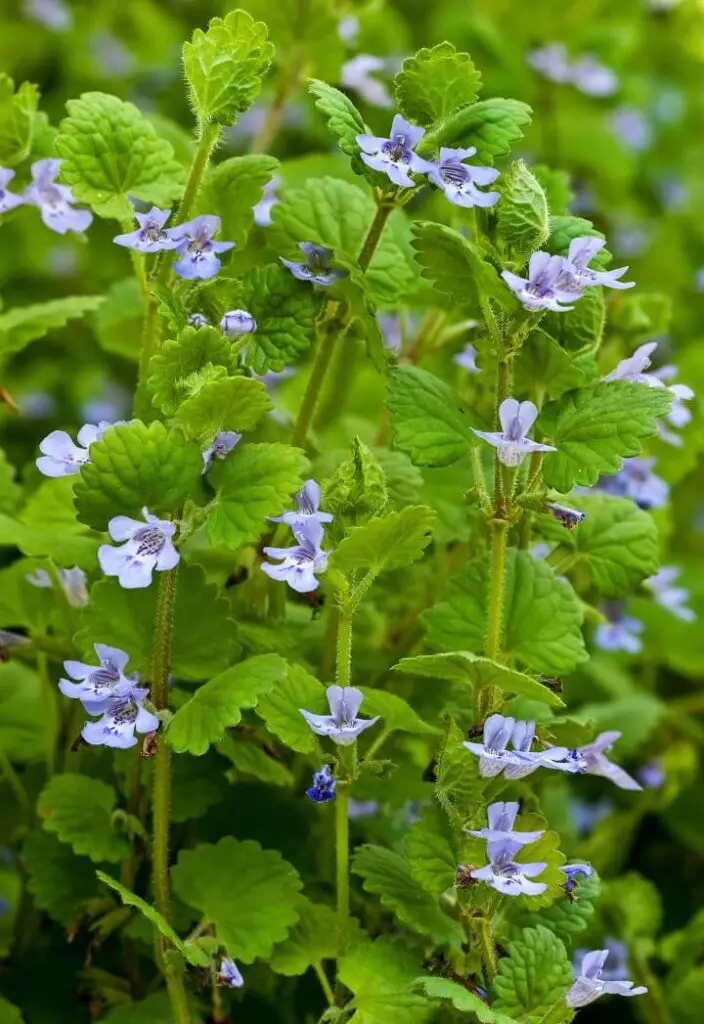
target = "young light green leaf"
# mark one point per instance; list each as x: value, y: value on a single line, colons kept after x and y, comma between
x: 387, y: 542
x: 396, y: 713
x: 232, y: 188
x: 357, y: 489
x: 493, y: 126
x: 225, y: 66
x: 566, y: 228
x: 182, y: 358
x: 456, y: 266
x: 534, y: 977
x: 280, y: 709
x: 545, y: 850
x: 463, y: 667
x: 443, y: 990
x: 379, y: 974
x: 111, y: 151
x: 427, y: 419
x: 522, y: 213
x: 556, y: 185
x: 230, y: 403
x: 47, y: 527
x: 311, y: 940
x: 284, y: 309
x: 23, y: 324
x: 9, y: 1013
x: 343, y: 119
x: 58, y: 880
x: 433, y: 83
x: 251, y: 895
x: 79, y: 808
x: 218, y: 704
x: 595, y: 428
x: 17, y: 120
x: 543, y: 363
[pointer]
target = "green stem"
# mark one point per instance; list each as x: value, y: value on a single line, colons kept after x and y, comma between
x: 499, y: 537
x: 479, y: 480
x: 378, y: 744
x: 342, y: 860
x: 557, y: 1013
x: 67, y: 611
x: 503, y: 385
x: 376, y: 228
x: 15, y: 783
x: 488, y: 950
x: 324, y: 983
x: 321, y: 365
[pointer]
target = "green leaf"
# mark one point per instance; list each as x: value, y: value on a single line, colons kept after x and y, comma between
x: 197, y: 784
x: 357, y: 489
x: 23, y: 324
x: 643, y: 315
x: 217, y: 705
x: 566, y: 918
x: 343, y: 119
x: 225, y: 66
x: 443, y: 990
x: 231, y: 403
x: 111, y: 151
x: 684, y: 997
x: 251, y: 895
x: 395, y: 711
x: 564, y: 229
x: 433, y: 83
x: 9, y: 1013
x: 456, y: 266
x: 459, y: 785
x: 119, y: 319
x: 189, y: 952
x: 308, y: 28
x: 542, y: 363
x: 580, y: 328
x: 284, y: 309
x: 232, y: 188
x: 595, y: 428
x: 47, y: 527
x: 493, y: 126
x: 535, y: 976
x: 135, y: 466
x: 556, y: 185
x: 58, y: 880
x: 17, y: 120
x: 280, y: 709
x: 248, y: 758
x: 24, y: 731
x: 181, y: 358
x: 379, y: 974
x: 387, y: 542
x: 542, y: 615
x: 203, y: 632
x: 79, y: 810
x: 522, y: 213
x: 634, y: 903
x: 466, y: 668
x: 427, y: 419
x: 155, y: 1009
x: 311, y: 940
x: 545, y: 850
x: 10, y: 490
x: 429, y: 850
x: 256, y: 481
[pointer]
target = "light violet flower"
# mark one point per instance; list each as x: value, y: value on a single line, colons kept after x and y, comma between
x: 574, y: 872
x: 394, y: 156
x: 667, y: 596
x: 73, y: 584
x: 467, y: 359
x: 633, y: 367
x: 238, y: 322
x: 511, y: 442
x: 198, y: 320
x: 341, y: 725
x: 652, y: 775
x: 198, y: 253
x: 566, y: 516
x: 589, y: 984
x: 679, y: 415
x: 150, y: 236
x: 348, y: 28
x: 507, y: 877
x: 592, y: 77
x: 620, y: 632
x: 300, y: 563
x: 229, y: 976
x: 323, y: 788
x: 459, y: 180
x: 124, y: 715
x: 307, y: 509
x: 52, y: 14
x: 635, y: 480
x: 8, y: 200
x: 591, y: 760
x: 97, y: 684
x: 54, y: 201
x: 357, y: 809
x: 586, y: 816
x: 61, y: 457
x: 543, y: 288
x: 501, y: 818
x: 147, y: 546
x: 551, y: 757
x: 632, y: 127
x: 222, y: 445
x: 552, y: 62
x: 577, y: 276
x: 317, y: 266
x: 262, y: 209
x: 357, y: 74
x: 494, y: 758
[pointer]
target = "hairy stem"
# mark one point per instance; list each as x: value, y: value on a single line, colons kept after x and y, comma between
x: 497, y: 579
x: 342, y: 860
x: 488, y: 950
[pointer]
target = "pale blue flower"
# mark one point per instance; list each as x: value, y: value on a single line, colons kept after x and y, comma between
x: 147, y: 546
x: 507, y: 877
x: 620, y: 632
x: 668, y: 596
x: 323, y: 788
x: 459, y: 180
x: 632, y: 127
x: 357, y: 809
x: 55, y: 201
x: 652, y: 775
x: 544, y: 286
x: 635, y: 480
x: 307, y: 509
x: 221, y: 446
x: 511, y: 442
x: 501, y: 818
x: 317, y: 267
x: 300, y: 564
x: 494, y: 758
x: 61, y: 457
x: 586, y: 816
x: 592, y: 77
x: 552, y: 62
x: 634, y: 366
x: 73, y: 584
x: 52, y: 14
x: 358, y: 74
x: 262, y: 209
x: 590, y: 984
x: 229, y: 976
x: 576, y: 274
x: 198, y: 253
x: 98, y: 685
x: 151, y: 236
x: 124, y: 715
x: 591, y: 760
x: 574, y: 872
x: 8, y: 200
x: 394, y: 156
x: 467, y: 359
x: 237, y: 322
x: 341, y: 725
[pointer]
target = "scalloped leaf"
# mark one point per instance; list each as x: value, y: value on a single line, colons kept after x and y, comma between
x: 534, y: 977
x: 79, y: 809
x: 467, y: 668
x: 183, y: 358
x: 433, y: 83
x: 428, y: 421
x: 285, y: 310
x: 230, y: 403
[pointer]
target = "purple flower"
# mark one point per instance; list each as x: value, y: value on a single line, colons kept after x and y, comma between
x: 262, y: 209
x: 507, y: 877
x: 124, y: 715
x: 591, y: 760
x: 585, y: 815
x: 147, y: 546
x: 53, y: 14
x: 222, y: 445
x: 301, y: 562
x: 620, y: 632
x: 307, y: 509
x: 238, y: 322
x: 593, y: 78
x: 616, y: 962
x: 566, y: 516
x: 198, y: 320
x: 394, y: 156
x: 361, y: 808
x: 198, y: 253
x: 317, y: 267
x: 511, y: 442
x: 8, y: 200
x: 633, y: 368
x: 672, y: 598
x: 632, y: 127
x: 652, y: 775
x: 323, y: 788
x: 552, y: 62
x: 151, y: 236
x: 356, y: 74
x: 635, y: 480
x: 342, y: 724
x: 73, y: 584
x: 61, y: 457
x: 679, y: 415
x: 501, y: 818
x: 573, y: 872
x: 229, y: 976
x: 467, y: 359
x: 577, y: 276
x: 97, y: 684
x: 54, y: 201
x: 544, y: 286
x: 494, y: 758
x: 459, y: 180
x: 589, y: 984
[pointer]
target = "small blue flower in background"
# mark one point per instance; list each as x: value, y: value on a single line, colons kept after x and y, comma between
x: 636, y: 480
x: 222, y: 445
x: 301, y: 562
x: 52, y: 14
x: 467, y: 359
x: 578, y: 276
x: 262, y: 209
x: 552, y: 62
x: 590, y: 984
x: 586, y: 816
x: 150, y: 236
x: 229, y: 976
x: 633, y: 367
x: 459, y: 180
x: 591, y: 760
x: 54, y: 201
x: 620, y: 632
x: 147, y: 546
x: 632, y: 127
x: 592, y: 77
x: 511, y: 442
x: 394, y: 156
x: 357, y: 74
x: 317, y: 266
x: 357, y: 809
x: 574, y: 872
x: 124, y: 715
x: 507, y: 877
x: 652, y: 775
x: 8, y: 200
x: 544, y: 286
x: 672, y: 598
x: 501, y: 818
x: 97, y: 684
x: 61, y: 457
x: 198, y: 320
x: 73, y: 584
x: 307, y: 508
x: 238, y: 322
x: 197, y: 252
x: 323, y: 788
x: 342, y: 724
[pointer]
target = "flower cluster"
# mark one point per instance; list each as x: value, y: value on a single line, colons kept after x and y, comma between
x: 300, y: 565
x: 194, y: 242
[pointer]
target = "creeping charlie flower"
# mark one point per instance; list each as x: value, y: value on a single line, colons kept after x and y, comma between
x: 394, y: 156
x: 124, y: 715
x: 552, y: 62
x: 467, y: 359
x: 323, y: 788
x: 147, y: 546
x: 300, y: 563
x: 566, y: 516
x: 459, y: 180
x: 307, y: 509
x: 238, y: 322
x: 61, y: 457
x: 577, y: 276
x: 633, y: 367
x: 620, y: 632
x: 341, y: 725
x: 150, y: 236
x: 358, y: 74
x: 544, y: 287
x: 229, y: 976
x: 574, y: 872
x: 636, y: 480
x: 589, y: 984
x: 197, y: 252
x: 501, y: 818
x: 73, y: 584
x: 507, y: 877
x: 511, y: 442
x: 591, y: 760
x: 672, y: 598
x: 198, y: 320
x: 97, y: 684
x: 262, y: 209
x: 222, y: 445
x: 54, y: 201
x: 8, y: 200
x: 317, y: 266
x: 494, y: 758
